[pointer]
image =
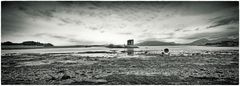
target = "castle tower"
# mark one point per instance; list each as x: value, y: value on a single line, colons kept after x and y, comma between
x: 130, y: 42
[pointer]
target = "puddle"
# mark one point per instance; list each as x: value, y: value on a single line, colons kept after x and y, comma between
x: 35, y: 63
x: 77, y: 62
x: 67, y: 61
x: 95, y: 55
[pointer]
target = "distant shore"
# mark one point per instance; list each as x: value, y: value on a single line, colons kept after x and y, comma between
x: 11, y: 47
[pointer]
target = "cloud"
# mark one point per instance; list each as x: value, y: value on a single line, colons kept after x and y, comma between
x: 232, y: 28
x: 93, y: 28
x: 225, y: 17
x: 67, y: 38
x: 196, y: 29
x: 125, y: 33
x: 102, y: 31
x: 201, y: 8
x: 35, y: 12
x: 115, y: 22
x: 224, y: 21
x: 150, y: 36
x: 70, y: 21
x: 186, y: 30
x: 179, y: 29
x: 232, y: 32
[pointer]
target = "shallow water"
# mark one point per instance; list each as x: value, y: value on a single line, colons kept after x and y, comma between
x: 173, y: 49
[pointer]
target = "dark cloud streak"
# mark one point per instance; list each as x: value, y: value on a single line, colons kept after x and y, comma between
x: 70, y: 21
x: 233, y: 32
x: 68, y: 38
x: 225, y: 21
x: 126, y: 33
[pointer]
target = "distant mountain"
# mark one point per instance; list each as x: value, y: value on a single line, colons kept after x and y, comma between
x: 199, y: 42
x: 223, y: 44
x: 155, y: 43
x: 216, y: 42
x: 224, y: 39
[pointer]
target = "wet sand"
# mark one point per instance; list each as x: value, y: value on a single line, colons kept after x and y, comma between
x: 66, y: 68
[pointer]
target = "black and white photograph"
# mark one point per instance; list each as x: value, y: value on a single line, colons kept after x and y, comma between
x: 119, y: 42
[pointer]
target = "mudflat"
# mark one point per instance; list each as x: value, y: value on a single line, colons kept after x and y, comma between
x: 67, y: 69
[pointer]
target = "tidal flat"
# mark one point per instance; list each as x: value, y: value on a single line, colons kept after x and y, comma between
x: 217, y: 68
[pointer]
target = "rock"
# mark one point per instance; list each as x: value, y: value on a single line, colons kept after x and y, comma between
x: 61, y: 71
x: 84, y: 75
x: 166, y: 50
x: 202, y: 69
x: 64, y: 77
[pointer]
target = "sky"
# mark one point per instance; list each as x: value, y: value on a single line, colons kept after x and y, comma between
x: 86, y: 23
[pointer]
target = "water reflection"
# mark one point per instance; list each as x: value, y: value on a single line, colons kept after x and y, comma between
x: 130, y: 51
